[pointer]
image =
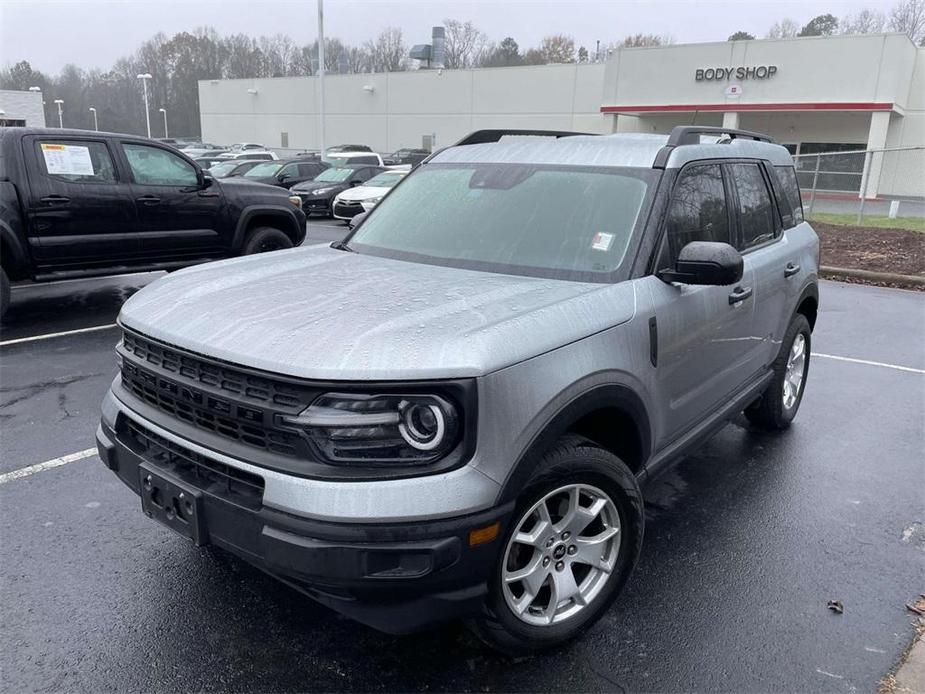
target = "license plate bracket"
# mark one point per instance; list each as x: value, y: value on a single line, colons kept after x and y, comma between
x: 173, y: 503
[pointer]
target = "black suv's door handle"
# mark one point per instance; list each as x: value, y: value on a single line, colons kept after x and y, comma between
x: 791, y: 269
x: 740, y: 294
x: 149, y: 200
x: 55, y: 200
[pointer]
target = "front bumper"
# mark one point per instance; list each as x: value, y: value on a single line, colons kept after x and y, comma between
x: 398, y: 577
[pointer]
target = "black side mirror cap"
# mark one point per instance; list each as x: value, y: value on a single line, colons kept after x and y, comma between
x: 205, y: 179
x: 705, y: 263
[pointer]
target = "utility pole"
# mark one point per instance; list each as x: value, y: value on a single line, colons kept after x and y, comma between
x: 144, y: 80
x: 164, y: 111
x: 60, y: 103
x: 321, y: 70
x: 96, y: 125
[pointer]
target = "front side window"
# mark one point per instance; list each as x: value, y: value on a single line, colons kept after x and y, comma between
x: 562, y: 222
x: 757, y: 218
x: 698, y: 208
x: 155, y: 166
x: 77, y: 162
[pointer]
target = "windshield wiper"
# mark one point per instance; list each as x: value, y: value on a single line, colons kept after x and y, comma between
x: 342, y: 246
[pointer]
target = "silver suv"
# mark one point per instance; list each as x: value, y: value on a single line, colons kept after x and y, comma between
x: 453, y: 412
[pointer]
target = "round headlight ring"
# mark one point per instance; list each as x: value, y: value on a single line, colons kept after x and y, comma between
x: 410, y: 426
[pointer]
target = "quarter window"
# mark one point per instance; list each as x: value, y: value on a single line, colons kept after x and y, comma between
x: 757, y: 219
x: 698, y: 208
x: 788, y: 181
x: 77, y: 162
x: 155, y: 166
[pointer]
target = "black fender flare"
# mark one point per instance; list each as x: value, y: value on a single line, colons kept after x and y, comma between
x: 606, y: 395
x: 287, y: 215
x: 810, y: 291
x: 15, y: 255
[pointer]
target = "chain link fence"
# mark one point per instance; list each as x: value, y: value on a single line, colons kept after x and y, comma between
x: 877, y: 185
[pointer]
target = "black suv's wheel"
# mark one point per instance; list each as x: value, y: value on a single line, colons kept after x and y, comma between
x: 263, y: 239
x: 4, y: 293
x: 573, y: 541
x: 778, y: 405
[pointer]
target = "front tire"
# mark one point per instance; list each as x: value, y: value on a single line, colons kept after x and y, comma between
x: 779, y: 402
x: 265, y: 239
x: 573, y: 542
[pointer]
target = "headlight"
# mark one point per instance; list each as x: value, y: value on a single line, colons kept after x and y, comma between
x: 379, y: 429
x: 321, y: 191
x: 295, y: 200
x: 370, y: 203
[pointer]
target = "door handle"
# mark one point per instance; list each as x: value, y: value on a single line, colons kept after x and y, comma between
x: 740, y: 294
x: 55, y: 200
x: 149, y: 200
x: 791, y: 269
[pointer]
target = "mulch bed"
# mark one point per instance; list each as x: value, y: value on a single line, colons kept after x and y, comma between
x: 880, y: 250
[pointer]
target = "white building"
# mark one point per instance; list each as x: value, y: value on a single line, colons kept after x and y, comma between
x: 813, y: 94
x: 21, y: 108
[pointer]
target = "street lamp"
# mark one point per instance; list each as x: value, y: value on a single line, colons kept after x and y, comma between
x: 164, y: 111
x: 321, y: 71
x: 96, y: 125
x: 60, y: 103
x: 144, y: 77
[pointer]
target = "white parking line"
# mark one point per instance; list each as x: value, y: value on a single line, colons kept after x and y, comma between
x: 47, y: 465
x: 870, y: 363
x: 48, y: 336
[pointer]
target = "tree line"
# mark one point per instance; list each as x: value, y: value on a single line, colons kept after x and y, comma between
x: 177, y: 63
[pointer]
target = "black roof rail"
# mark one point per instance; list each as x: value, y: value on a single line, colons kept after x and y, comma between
x: 690, y: 135
x: 482, y: 136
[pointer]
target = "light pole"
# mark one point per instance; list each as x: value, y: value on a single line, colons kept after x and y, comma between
x: 144, y: 77
x: 321, y: 69
x: 164, y: 111
x: 60, y: 103
x: 96, y: 125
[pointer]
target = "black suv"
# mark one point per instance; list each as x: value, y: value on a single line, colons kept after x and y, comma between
x: 285, y: 173
x: 77, y: 203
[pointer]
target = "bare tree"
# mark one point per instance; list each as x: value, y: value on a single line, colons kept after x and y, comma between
x: 908, y: 16
x: 557, y: 48
x: 864, y: 22
x: 643, y: 40
x: 784, y: 29
x: 387, y: 51
x: 466, y: 45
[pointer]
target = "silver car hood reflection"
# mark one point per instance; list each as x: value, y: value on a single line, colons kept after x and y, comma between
x: 321, y: 313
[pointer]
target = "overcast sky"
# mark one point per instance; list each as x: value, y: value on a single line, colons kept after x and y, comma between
x: 95, y: 33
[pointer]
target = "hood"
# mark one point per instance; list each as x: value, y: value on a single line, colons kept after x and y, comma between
x: 308, y: 186
x: 239, y: 185
x: 319, y: 313
x: 363, y: 192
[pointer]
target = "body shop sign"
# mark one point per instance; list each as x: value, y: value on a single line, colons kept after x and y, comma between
x: 724, y: 74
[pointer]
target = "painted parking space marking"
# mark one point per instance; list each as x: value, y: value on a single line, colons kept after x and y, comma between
x: 47, y: 465
x: 868, y: 362
x: 48, y: 336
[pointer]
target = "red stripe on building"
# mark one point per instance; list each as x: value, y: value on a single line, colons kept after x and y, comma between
x: 823, y: 106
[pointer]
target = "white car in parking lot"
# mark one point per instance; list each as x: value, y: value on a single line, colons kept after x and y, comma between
x: 354, y: 201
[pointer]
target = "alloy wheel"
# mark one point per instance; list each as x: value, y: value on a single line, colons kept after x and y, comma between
x: 796, y: 369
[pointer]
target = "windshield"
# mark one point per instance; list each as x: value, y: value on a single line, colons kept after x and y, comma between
x: 545, y: 221
x: 223, y: 169
x: 384, y: 180
x: 263, y: 170
x: 334, y: 175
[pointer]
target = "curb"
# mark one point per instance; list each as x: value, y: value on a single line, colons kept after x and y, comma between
x: 909, y: 280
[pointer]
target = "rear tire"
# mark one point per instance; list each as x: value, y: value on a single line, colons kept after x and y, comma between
x: 600, y: 480
x: 4, y: 293
x: 779, y: 402
x: 265, y: 239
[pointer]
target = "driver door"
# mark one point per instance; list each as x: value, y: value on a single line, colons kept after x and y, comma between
x: 179, y: 218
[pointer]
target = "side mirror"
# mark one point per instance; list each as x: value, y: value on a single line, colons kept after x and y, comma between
x: 356, y: 220
x: 283, y: 177
x: 355, y: 182
x: 206, y: 179
x: 705, y: 262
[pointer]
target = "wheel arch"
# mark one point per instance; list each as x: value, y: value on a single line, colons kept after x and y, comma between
x: 808, y: 304
x: 13, y: 256
x: 611, y: 415
x: 276, y: 216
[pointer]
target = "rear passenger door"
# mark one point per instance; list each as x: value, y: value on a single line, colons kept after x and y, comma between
x: 764, y: 252
x: 78, y: 203
x: 705, y: 337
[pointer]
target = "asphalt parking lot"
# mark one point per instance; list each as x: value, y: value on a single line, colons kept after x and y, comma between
x: 746, y: 541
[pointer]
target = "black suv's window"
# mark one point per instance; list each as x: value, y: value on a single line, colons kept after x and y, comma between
x: 788, y: 181
x: 698, y: 207
x: 757, y: 217
x: 155, y: 166
x: 77, y: 162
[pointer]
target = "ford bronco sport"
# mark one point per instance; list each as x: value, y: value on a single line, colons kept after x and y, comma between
x: 452, y: 412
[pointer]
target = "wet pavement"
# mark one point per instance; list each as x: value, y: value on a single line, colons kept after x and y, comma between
x: 746, y: 541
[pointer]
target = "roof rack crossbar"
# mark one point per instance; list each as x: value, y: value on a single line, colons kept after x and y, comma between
x: 484, y: 136
x: 690, y: 134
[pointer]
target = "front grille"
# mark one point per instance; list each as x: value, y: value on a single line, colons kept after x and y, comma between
x: 237, y: 486
x: 218, y: 398
x: 347, y: 209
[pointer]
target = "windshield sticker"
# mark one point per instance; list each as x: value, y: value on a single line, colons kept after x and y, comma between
x: 602, y: 241
x: 71, y: 160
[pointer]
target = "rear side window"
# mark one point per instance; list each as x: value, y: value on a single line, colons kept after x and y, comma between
x: 155, y: 166
x: 364, y: 160
x: 757, y: 217
x: 698, y: 207
x: 788, y: 181
x: 76, y: 162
